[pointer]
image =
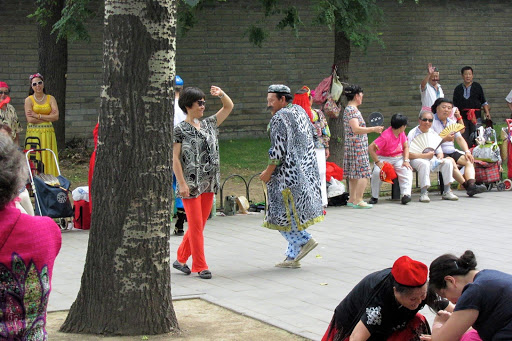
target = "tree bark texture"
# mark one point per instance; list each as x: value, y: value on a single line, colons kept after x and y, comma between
x: 53, y: 65
x: 126, y: 285
x: 341, y: 59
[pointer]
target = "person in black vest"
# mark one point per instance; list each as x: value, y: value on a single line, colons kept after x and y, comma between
x: 470, y: 99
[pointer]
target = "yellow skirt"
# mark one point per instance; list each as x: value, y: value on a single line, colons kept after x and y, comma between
x: 46, y: 134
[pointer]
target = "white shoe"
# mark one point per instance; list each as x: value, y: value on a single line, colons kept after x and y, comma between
x: 290, y: 264
x: 306, y: 248
x: 450, y: 196
x: 424, y: 197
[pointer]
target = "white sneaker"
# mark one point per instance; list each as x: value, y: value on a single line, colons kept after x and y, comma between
x: 450, y: 196
x: 424, y: 197
x: 290, y: 264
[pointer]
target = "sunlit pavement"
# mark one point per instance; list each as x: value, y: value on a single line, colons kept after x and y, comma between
x: 352, y: 243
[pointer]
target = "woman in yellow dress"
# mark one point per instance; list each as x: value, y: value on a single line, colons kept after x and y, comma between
x: 41, y: 110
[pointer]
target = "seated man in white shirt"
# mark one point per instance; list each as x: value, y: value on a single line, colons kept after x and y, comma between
x: 432, y: 161
x: 441, y: 109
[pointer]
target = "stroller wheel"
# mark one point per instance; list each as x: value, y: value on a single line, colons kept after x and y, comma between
x: 500, y: 186
x: 508, y: 184
x: 489, y: 187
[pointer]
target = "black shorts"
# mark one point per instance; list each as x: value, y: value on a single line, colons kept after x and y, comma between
x: 455, y: 155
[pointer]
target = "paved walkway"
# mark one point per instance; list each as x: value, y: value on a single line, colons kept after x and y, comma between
x: 241, y: 255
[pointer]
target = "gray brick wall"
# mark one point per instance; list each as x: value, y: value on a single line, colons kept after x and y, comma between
x: 449, y: 34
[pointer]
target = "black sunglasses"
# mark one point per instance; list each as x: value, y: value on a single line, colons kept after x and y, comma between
x: 4, y: 92
x: 427, y: 119
x: 37, y: 83
x: 201, y: 103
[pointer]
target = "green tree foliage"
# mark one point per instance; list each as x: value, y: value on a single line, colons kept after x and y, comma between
x: 71, y: 25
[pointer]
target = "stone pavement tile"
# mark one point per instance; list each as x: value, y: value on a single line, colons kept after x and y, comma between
x: 352, y: 243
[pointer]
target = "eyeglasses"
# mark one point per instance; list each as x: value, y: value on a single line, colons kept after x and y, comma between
x: 4, y: 92
x: 201, y: 103
x: 427, y: 119
x: 37, y: 83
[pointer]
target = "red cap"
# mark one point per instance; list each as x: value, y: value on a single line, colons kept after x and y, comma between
x: 387, y: 173
x: 409, y: 272
x: 4, y: 85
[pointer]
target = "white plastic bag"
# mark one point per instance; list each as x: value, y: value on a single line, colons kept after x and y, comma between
x: 81, y: 193
x: 335, y: 188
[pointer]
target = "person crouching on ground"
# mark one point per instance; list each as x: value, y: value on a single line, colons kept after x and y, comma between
x: 293, y: 182
x: 384, y: 305
x: 431, y: 161
x: 196, y: 166
x: 482, y: 299
x: 392, y: 147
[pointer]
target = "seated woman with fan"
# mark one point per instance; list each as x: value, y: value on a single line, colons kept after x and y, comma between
x: 449, y: 131
x: 426, y: 156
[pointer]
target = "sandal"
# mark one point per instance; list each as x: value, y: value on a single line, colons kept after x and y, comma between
x: 205, y: 274
x: 182, y: 267
x: 363, y: 204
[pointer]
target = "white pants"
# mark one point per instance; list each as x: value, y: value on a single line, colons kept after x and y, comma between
x: 322, y: 168
x: 25, y: 205
x: 424, y: 167
x: 404, y: 175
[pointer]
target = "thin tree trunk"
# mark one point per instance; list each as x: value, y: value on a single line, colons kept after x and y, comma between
x: 53, y: 65
x: 126, y: 285
x: 341, y: 60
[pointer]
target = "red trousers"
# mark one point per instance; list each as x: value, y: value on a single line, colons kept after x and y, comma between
x: 197, y: 211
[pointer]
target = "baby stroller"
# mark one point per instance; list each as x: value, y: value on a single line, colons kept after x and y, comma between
x: 488, y: 159
x: 51, y: 194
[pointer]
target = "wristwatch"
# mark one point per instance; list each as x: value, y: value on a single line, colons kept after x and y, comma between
x: 407, y: 160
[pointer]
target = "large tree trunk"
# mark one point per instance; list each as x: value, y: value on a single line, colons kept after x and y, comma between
x: 126, y: 285
x: 341, y: 60
x: 53, y: 65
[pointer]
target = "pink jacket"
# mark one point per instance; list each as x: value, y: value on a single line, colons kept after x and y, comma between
x: 28, y: 248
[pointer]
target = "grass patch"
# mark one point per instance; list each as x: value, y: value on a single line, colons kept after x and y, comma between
x: 243, y: 156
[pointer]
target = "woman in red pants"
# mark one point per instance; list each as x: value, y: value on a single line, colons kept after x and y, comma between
x: 196, y: 166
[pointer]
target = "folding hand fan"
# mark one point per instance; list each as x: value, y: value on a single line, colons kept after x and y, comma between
x: 424, y: 143
x: 452, y: 128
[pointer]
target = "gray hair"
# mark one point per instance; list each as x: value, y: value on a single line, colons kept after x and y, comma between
x: 420, y: 116
x: 13, y: 171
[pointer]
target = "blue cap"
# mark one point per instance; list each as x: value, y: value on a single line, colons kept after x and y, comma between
x: 178, y: 81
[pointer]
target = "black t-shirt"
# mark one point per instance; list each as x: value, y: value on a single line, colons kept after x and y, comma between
x: 475, y: 100
x: 490, y: 294
x: 373, y: 302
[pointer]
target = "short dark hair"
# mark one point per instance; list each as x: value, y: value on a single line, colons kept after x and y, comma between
x: 188, y: 96
x: 288, y: 97
x: 13, y: 170
x: 398, y: 120
x: 404, y: 289
x: 350, y: 91
x: 450, y: 265
x: 438, y: 102
x: 465, y: 68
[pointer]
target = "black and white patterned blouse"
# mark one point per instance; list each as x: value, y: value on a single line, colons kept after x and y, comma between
x: 199, y: 156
